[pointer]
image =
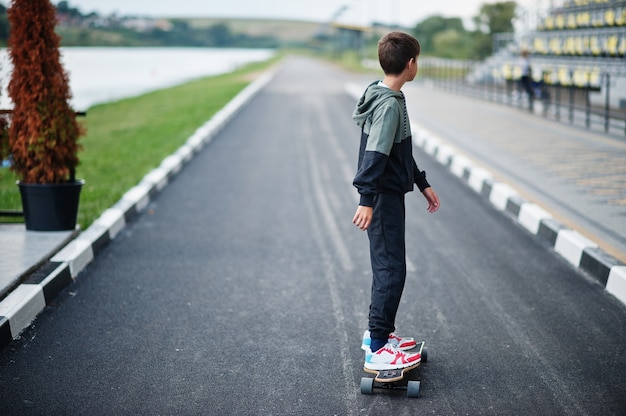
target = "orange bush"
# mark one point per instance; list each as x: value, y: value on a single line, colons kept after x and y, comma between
x: 43, y: 135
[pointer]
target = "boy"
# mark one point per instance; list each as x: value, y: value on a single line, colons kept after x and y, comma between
x: 386, y: 172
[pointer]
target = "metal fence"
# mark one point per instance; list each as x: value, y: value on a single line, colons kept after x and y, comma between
x: 598, y: 103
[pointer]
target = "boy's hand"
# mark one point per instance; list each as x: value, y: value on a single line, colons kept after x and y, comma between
x: 432, y: 198
x: 363, y: 217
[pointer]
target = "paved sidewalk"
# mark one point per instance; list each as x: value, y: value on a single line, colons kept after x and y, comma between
x: 565, y: 185
x: 24, y: 251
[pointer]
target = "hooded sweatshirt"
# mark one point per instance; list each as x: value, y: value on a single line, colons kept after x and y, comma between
x: 386, y: 163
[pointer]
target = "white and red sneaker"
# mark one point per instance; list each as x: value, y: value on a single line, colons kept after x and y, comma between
x: 402, y: 344
x: 390, y: 358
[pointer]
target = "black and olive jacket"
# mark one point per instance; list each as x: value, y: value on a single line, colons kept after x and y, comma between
x: 386, y: 163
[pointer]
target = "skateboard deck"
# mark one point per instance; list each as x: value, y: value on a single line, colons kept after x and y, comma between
x: 389, y: 379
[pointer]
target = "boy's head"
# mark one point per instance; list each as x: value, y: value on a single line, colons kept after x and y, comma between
x: 395, y: 50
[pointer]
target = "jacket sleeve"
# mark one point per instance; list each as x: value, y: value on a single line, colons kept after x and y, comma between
x: 374, y: 156
x: 371, y: 168
x: 420, y: 177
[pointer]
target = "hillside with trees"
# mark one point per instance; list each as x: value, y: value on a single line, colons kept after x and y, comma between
x: 447, y: 37
x: 440, y: 36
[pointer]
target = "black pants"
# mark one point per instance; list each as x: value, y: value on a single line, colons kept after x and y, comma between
x: 527, y: 85
x: 388, y: 257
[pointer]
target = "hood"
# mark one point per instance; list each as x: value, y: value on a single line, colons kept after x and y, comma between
x: 373, y: 96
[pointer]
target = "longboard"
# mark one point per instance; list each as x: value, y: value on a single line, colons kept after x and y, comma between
x: 390, y: 379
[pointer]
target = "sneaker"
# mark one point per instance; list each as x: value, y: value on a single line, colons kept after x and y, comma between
x: 402, y: 344
x: 390, y: 358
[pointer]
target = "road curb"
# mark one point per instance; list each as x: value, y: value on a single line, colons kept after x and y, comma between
x: 19, y: 309
x: 569, y: 244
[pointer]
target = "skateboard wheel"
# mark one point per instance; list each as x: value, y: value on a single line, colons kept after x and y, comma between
x: 367, y: 385
x: 424, y: 355
x: 413, y: 389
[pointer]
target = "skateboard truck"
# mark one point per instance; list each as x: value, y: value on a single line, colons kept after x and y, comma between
x: 390, y: 379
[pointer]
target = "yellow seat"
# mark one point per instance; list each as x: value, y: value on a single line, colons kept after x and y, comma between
x: 556, y: 47
x: 560, y: 22
x: 583, y: 19
x: 578, y: 45
x: 595, y: 79
x: 571, y: 21
x: 548, y: 76
x: 507, y: 71
x: 611, y: 45
x: 609, y: 17
x: 539, y: 46
x: 581, y: 77
x: 563, y: 76
x: 594, y: 46
x: 620, y: 18
x: 569, y: 46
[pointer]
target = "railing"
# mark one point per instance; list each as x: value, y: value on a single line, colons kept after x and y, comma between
x: 594, y: 103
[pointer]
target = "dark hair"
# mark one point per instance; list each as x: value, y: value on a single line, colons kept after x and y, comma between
x: 395, y: 49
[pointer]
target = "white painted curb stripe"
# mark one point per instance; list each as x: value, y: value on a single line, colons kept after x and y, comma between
x: 500, y: 195
x: 570, y: 244
x: 531, y: 215
x: 617, y: 282
x: 22, y: 306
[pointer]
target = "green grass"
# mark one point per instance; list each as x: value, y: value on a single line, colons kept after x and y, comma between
x: 127, y: 139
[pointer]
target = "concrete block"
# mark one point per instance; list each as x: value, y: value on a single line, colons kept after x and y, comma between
x: 598, y: 263
x: 157, y: 177
x: 173, y: 163
x: 477, y: 177
x: 530, y: 216
x: 22, y: 306
x: 570, y: 244
x: 77, y: 254
x: 445, y: 154
x: 139, y: 196
x: 113, y: 219
x: 616, y: 285
x: 500, y: 194
x: 431, y: 144
x: 459, y: 164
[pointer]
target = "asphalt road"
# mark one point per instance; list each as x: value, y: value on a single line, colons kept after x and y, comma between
x: 243, y: 289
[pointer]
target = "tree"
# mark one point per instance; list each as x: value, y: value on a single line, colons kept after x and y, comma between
x: 64, y: 7
x: 219, y: 35
x: 492, y: 18
x: 43, y: 134
x: 496, y: 17
x: 426, y: 31
x: 452, y: 44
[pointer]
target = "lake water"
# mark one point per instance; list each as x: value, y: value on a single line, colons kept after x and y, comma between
x: 100, y: 75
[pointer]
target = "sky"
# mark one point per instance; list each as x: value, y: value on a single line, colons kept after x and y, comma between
x: 358, y: 12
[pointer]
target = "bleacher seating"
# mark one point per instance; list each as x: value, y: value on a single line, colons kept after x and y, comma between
x: 575, y: 44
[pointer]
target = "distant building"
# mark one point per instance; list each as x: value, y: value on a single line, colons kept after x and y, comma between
x: 349, y: 37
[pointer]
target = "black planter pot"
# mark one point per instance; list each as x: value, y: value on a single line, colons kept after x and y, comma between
x: 50, y: 207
